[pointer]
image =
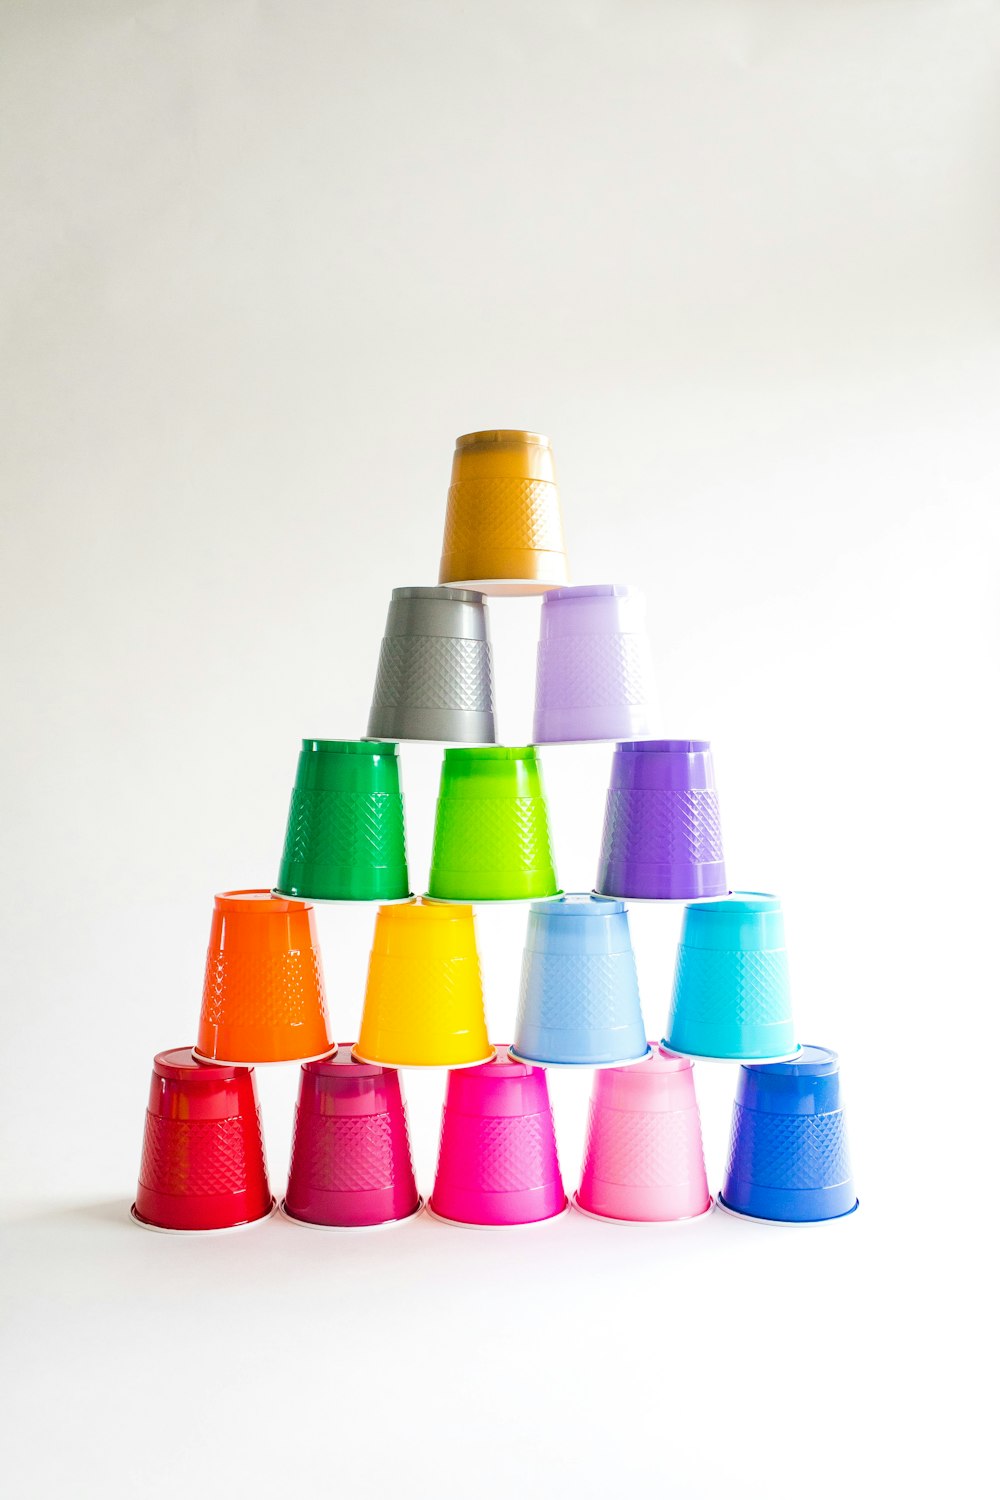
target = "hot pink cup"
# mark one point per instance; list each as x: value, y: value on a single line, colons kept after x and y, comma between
x: 351, y: 1165
x: 643, y: 1161
x: 497, y: 1163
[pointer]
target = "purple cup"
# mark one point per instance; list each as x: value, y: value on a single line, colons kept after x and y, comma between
x: 595, y: 678
x: 662, y: 837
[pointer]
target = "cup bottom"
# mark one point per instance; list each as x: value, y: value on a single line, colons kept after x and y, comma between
x: 375, y: 1062
x: 273, y: 1062
x: 512, y: 588
x: 227, y: 1229
x: 542, y: 1062
x: 464, y: 1223
x: 589, y: 1213
x: 344, y: 900
x: 489, y: 900
x: 747, y: 1062
x: 351, y: 1228
x: 734, y: 1213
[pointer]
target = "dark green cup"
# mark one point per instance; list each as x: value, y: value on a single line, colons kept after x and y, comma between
x: 346, y: 839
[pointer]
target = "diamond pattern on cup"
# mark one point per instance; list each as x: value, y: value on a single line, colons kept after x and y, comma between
x: 434, y: 672
x: 570, y: 990
x: 594, y: 671
x: 503, y: 512
x: 634, y: 1149
x: 357, y: 827
x: 511, y: 1153
x: 284, y: 988
x: 198, y: 1158
x: 662, y: 827
x: 344, y: 1154
x: 799, y: 1152
x: 494, y: 830
x: 434, y: 992
x: 723, y: 987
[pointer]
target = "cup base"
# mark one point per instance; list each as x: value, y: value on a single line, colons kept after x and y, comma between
x: 464, y: 1223
x: 271, y: 1062
x: 377, y: 1062
x: 589, y: 1213
x: 658, y: 900
x: 351, y: 1228
x: 489, y: 900
x: 735, y: 1213
x: 227, y: 1229
x: 543, y: 1062
x: 716, y: 1057
x: 344, y: 900
x: 512, y: 588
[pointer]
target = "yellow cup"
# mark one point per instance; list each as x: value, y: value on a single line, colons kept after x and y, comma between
x: 424, y: 998
x: 503, y: 532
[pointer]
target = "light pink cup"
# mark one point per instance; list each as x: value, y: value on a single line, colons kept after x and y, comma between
x: 643, y: 1161
x: 497, y: 1163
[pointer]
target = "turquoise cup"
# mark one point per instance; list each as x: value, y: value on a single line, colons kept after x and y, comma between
x: 731, y: 997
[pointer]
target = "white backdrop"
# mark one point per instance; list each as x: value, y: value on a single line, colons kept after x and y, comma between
x: 264, y: 262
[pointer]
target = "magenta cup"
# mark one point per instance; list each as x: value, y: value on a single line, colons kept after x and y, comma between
x: 643, y: 1162
x: 351, y: 1165
x: 497, y: 1164
x: 662, y: 837
x: 595, y: 678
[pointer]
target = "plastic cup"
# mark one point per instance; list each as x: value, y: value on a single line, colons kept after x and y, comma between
x: 345, y: 839
x: 595, y: 678
x: 203, y: 1162
x: 788, y: 1159
x: 424, y: 998
x: 579, y: 1000
x: 731, y: 995
x: 503, y: 532
x: 263, y: 998
x: 662, y: 837
x: 497, y: 1163
x: 643, y: 1160
x: 435, y: 669
x: 491, y: 833
x: 351, y: 1166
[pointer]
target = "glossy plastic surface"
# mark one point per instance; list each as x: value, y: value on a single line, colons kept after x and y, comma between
x: 662, y: 838
x: 435, y: 670
x: 491, y: 832
x: 503, y: 530
x: 203, y: 1164
x: 579, y: 1000
x: 263, y: 998
x: 497, y: 1162
x: 788, y: 1156
x: 424, y: 997
x: 595, y: 677
x: 350, y: 1166
x: 345, y: 839
x: 643, y: 1160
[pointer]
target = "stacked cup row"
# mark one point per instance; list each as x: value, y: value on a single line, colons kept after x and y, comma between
x: 263, y: 999
x: 203, y: 1167
x: 346, y: 839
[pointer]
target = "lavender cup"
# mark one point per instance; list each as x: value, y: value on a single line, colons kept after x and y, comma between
x: 662, y: 837
x: 595, y: 678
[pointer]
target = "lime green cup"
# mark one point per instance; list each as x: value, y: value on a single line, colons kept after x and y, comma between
x: 346, y: 840
x: 491, y: 834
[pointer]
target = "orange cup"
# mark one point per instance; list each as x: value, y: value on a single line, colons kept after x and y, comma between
x: 503, y: 532
x: 263, y: 1000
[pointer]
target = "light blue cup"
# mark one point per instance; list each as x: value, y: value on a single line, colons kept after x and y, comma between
x: 579, y: 1004
x: 731, y: 993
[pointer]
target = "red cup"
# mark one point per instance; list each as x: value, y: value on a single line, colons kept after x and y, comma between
x: 351, y: 1165
x: 203, y: 1164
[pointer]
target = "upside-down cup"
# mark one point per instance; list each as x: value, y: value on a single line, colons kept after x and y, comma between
x: 263, y: 999
x: 424, y: 997
x: 203, y: 1164
x: 788, y: 1159
x: 497, y: 1163
x: 662, y: 838
x: 595, y: 678
x: 579, y: 1001
x: 732, y: 998
x: 435, y: 669
x: 350, y: 1166
x: 643, y: 1161
x: 345, y: 839
x: 503, y: 531
x: 491, y: 831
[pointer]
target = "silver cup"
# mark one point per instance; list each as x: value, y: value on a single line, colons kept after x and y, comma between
x: 435, y: 669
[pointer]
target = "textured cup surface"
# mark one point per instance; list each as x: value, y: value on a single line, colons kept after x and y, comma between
x: 345, y: 839
x: 788, y: 1157
x: 203, y: 1161
x: 424, y: 997
x: 497, y: 1162
x: 595, y: 678
x: 643, y: 1160
x: 503, y: 530
x: 579, y: 999
x: 263, y: 999
x: 662, y: 838
x: 491, y: 830
x: 350, y: 1165
x: 435, y: 669
x: 732, y: 997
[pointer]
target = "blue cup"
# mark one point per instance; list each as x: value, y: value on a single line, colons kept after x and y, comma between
x: 788, y: 1158
x: 579, y: 1002
x: 731, y: 995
